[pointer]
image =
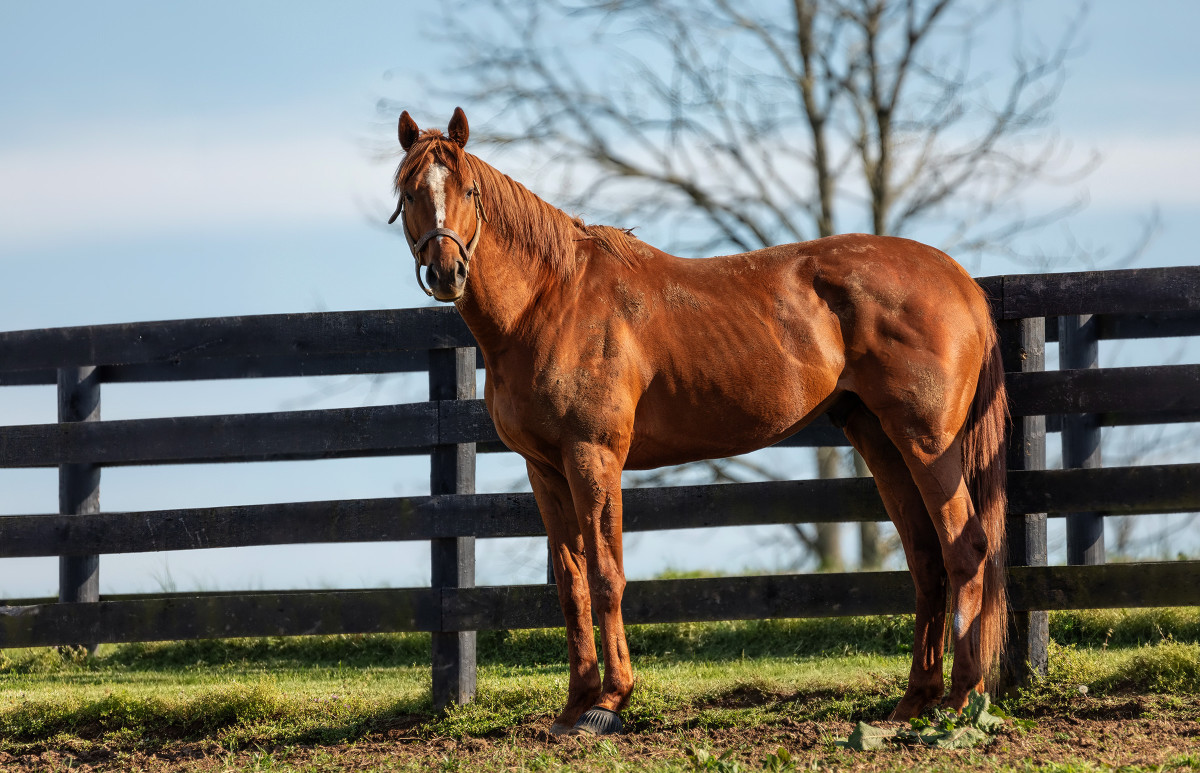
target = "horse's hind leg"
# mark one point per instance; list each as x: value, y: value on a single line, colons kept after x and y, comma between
x: 922, y: 550
x: 936, y: 465
x: 570, y: 573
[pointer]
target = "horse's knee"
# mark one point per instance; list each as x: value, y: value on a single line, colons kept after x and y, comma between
x: 606, y: 590
x: 572, y: 588
x: 573, y: 593
x: 965, y: 555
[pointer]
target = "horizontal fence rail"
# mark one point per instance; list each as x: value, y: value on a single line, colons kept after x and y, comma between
x: 227, y: 368
x: 1142, y: 302
x: 1130, y: 291
x: 1119, y: 395
x: 1109, y: 327
x: 302, y: 613
x: 270, y: 335
x: 1157, y: 393
x: 1162, y: 489
x: 452, y: 426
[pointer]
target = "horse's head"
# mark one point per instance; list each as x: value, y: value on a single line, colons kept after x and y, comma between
x: 440, y: 208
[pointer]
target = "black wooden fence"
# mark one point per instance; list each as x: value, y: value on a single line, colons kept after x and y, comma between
x: 1081, y: 308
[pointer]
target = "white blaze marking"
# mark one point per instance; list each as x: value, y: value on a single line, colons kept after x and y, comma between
x: 435, y: 178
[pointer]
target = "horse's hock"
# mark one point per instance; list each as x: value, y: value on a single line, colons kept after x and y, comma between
x: 1075, y: 309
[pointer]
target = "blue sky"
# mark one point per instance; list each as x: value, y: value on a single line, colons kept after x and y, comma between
x: 163, y: 160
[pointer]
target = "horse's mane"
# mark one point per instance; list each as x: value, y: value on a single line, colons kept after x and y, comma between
x: 517, y: 214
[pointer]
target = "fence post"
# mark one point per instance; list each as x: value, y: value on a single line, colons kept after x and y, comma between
x: 1023, y: 344
x: 1078, y: 348
x: 452, y: 471
x: 79, y: 486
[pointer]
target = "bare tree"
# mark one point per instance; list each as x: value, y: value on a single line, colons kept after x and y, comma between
x: 728, y: 126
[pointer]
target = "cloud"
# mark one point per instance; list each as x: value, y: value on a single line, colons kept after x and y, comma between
x: 1138, y: 171
x: 115, y: 184
x: 119, y: 182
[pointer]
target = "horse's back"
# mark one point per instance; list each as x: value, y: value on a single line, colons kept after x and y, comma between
x: 747, y: 349
x: 855, y: 292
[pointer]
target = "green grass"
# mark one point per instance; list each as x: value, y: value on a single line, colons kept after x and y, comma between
x: 325, y: 690
x: 238, y: 702
x: 1125, y: 627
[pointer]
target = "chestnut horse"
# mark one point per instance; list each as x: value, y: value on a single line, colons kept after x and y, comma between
x: 604, y: 354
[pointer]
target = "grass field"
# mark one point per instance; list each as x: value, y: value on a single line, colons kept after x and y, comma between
x: 720, y: 696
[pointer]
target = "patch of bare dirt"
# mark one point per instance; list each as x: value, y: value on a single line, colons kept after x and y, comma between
x: 1129, y: 731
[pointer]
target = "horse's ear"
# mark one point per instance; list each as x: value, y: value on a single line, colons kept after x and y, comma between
x: 458, y: 129
x: 408, y: 130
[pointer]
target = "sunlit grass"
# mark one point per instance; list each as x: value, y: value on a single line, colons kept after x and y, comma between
x: 338, y: 689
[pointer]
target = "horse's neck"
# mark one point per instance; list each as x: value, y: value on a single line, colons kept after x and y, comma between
x: 502, y: 289
x: 513, y: 284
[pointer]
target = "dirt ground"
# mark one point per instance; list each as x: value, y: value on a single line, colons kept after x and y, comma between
x: 1146, y: 731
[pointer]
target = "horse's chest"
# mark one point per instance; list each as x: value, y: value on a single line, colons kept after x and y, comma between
x: 525, y: 421
x: 551, y: 406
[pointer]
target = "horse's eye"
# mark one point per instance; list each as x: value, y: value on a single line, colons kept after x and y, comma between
x: 408, y: 197
x: 470, y: 192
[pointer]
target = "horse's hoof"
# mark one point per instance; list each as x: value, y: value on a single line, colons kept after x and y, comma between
x: 558, y: 728
x: 598, y: 721
x: 915, y: 701
x: 910, y: 708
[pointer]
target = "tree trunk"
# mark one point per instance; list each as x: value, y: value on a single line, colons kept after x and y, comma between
x: 828, y: 542
x: 872, y: 551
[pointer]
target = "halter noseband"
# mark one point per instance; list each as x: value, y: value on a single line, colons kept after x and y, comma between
x: 415, y: 246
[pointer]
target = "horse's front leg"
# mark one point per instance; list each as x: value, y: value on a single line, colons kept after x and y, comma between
x: 594, y: 474
x: 570, y: 574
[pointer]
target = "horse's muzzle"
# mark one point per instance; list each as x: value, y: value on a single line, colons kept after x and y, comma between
x: 446, y: 275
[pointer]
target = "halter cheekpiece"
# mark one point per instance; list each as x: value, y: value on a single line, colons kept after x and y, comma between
x: 416, y: 245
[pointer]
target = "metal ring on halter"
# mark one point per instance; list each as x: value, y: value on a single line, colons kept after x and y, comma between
x: 416, y: 246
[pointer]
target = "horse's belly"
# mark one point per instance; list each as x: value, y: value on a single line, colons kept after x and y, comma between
x: 676, y: 431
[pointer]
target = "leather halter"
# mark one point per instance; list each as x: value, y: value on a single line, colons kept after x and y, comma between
x: 468, y: 249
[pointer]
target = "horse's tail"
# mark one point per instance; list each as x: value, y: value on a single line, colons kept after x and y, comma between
x: 985, y: 466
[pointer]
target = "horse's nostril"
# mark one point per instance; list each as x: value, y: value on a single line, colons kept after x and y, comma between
x: 460, y: 271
